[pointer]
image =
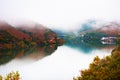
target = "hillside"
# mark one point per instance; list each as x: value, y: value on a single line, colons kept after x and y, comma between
x: 14, y: 32
x: 26, y: 36
x: 41, y: 34
x: 89, y: 36
x: 11, y: 38
x: 110, y: 29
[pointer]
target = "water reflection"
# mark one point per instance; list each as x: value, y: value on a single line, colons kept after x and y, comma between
x: 35, y: 53
x: 63, y: 64
x: 88, y: 46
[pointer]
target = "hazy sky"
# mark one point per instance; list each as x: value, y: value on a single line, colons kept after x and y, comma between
x: 59, y: 13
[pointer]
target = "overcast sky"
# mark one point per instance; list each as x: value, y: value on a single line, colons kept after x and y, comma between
x: 59, y: 13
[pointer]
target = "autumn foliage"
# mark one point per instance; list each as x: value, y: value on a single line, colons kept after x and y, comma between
x: 26, y: 36
x: 11, y: 76
x: 107, y: 68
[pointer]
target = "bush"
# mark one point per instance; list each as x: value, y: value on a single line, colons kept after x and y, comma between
x: 11, y: 76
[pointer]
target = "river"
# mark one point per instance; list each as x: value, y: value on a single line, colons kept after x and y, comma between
x: 50, y: 63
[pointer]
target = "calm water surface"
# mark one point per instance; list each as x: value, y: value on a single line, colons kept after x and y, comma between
x: 50, y: 63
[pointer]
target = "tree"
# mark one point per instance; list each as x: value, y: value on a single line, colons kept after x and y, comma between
x: 0, y: 77
x: 11, y: 76
x: 107, y: 68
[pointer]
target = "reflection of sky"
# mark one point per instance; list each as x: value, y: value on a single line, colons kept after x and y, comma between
x: 63, y: 64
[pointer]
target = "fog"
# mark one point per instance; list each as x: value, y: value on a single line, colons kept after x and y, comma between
x: 63, y: 14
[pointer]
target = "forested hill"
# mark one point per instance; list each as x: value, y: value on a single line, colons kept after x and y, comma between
x: 25, y: 36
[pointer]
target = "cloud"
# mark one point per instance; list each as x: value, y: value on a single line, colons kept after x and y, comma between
x: 64, y: 14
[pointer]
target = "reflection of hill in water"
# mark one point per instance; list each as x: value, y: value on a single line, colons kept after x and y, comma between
x: 88, y: 46
x: 32, y: 53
